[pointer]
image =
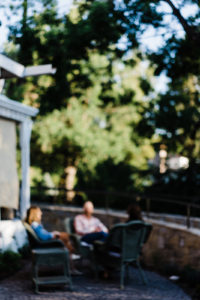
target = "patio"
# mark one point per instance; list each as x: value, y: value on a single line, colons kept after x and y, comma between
x: 19, y: 286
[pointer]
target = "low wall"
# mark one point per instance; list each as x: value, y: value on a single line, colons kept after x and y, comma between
x: 170, y: 245
x: 177, y: 219
x: 53, y: 216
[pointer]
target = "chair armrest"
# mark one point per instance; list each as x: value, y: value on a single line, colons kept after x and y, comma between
x: 99, y: 243
x: 75, y: 236
x: 99, y: 247
x: 51, y: 244
x: 75, y: 241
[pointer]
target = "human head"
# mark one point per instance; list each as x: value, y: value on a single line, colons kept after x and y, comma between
x: 34, y: 214
x: 88, y: 208
x: 134, y: 212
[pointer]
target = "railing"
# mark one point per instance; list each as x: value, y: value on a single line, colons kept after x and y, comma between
x: 186, y: 206
x: 120, y: 201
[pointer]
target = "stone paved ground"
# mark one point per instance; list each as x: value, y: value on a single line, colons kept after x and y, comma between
x: 19, y: 286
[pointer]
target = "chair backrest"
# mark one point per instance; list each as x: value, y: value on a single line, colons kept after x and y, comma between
x: 33, y: 239
x: 129, y: 238
x: 35, y: 242
x: 69, y: 225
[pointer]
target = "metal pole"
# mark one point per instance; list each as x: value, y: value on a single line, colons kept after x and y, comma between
x: 148, y: 202
x: 107, y: 210
x: 188, y: 224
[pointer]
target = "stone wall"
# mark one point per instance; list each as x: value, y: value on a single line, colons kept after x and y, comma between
x: 53, y: 216
x: 170, y: 245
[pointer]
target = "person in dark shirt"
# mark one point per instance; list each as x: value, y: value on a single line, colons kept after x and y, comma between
x: 134, y: 212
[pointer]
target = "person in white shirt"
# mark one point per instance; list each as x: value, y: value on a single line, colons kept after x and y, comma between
x: 89, y: 227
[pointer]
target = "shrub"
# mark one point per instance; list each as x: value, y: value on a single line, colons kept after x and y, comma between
x: 9, y: 262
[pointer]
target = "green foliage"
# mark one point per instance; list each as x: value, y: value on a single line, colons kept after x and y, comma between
x: 9, y: 262
x: 65, y: 43
x: 87, y: 109
x: 100, y: 110
x: 184, y: 184
x: 115, y: 179
x: 85, y: 135
x: 179, y: 58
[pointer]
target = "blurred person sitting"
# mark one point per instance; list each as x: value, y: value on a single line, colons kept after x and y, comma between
x: 134, y: 212
x: 90, y: 228
x: 34, y: 218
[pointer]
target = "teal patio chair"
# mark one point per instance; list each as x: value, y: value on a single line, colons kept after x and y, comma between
x: 69, y: 228
x: 35, y: 242
x: 84, y: 249
x: 51, y: 254
x: 123, y: 247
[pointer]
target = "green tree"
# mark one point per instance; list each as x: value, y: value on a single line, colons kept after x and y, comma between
x: 179, y: 58
x: 88, y: 132
x: 88, y: 109
x: 64, y: 42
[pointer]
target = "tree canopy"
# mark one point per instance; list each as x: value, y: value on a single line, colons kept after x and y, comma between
x: 101, y: 106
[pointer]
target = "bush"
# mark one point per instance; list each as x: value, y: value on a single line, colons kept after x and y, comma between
x: 9, y: 263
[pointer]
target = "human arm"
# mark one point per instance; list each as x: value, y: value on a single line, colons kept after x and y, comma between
x: 56, y: 234
x: 100, y: 226
x: 42, y: 233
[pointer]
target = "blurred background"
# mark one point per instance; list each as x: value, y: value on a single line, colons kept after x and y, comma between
x: 119, y: 121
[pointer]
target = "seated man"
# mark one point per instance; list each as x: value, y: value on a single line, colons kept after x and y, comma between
x: 89, y: 227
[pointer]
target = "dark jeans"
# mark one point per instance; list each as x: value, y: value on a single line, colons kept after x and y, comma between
x: 90, y: 238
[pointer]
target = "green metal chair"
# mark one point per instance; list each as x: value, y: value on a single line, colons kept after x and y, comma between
x: 35, y: 242
x: 86, y: 251
x: 69, y: 228
x: 51, y: 254
x: 123, y: 247
x: 82, y: 248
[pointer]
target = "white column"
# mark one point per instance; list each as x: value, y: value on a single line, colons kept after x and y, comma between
x: 25, y: 136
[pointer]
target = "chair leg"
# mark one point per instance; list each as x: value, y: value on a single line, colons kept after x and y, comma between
x: 122, y: 276
x: 37, y: 289
x: 95, y: 266
x: 67, y: 272
x: 96, y: 272
x: 144, y: 279
x: 127, y: 271
x: 35, y: 275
